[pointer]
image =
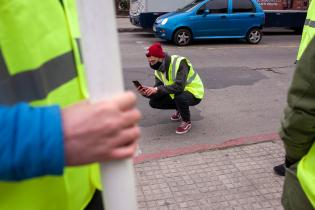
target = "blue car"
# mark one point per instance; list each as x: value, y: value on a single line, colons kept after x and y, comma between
x: 212, y: 19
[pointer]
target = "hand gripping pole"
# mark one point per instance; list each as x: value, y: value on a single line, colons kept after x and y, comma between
x: 102, y: 61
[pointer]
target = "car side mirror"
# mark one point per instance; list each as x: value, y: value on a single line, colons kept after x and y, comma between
x: 206, y: 12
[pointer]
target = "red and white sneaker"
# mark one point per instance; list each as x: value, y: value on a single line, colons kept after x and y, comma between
x: 184, y: 127
x: 176, y: 116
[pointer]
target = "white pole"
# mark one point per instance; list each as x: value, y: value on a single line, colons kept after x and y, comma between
x: 102, y: 61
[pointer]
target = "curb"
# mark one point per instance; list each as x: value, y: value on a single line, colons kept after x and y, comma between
x: 206, y: 147
x: 122, y: 16
x: 123, y: 30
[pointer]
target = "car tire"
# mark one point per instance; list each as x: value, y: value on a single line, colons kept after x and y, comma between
x: 182, y: 37
x: 254, y: 36
x: 297, y: 30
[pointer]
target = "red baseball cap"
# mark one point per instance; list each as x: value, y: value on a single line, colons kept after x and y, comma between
x: 155, y: 50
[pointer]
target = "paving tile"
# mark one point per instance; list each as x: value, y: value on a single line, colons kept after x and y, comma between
x: 237, y: 178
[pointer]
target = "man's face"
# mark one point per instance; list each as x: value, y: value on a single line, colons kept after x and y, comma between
x: 153, y: 60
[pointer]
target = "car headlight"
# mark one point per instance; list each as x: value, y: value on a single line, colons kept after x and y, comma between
x: 164, y: 21
x: 158, y: 20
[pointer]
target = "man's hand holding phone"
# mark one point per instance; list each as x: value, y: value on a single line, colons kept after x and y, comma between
x: 151, y: 91
x: 139, y: 87
x: 147, y: 91
x: 143, y: 90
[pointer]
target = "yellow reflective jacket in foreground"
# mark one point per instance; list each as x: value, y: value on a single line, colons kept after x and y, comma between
x: 39, y: 42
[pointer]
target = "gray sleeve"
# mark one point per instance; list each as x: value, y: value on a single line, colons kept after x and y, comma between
x: 179, y: 82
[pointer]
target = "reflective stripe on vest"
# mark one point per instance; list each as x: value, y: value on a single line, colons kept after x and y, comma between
x: 308, y: 29
x: 309, y: 23
x: 193, y: 82
x: 191, y: 79
x: 306, y: 169
x: 38, y: 83
x: 171, y: 73
x: 40, y: 63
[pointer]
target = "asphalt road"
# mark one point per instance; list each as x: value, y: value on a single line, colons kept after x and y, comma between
x: 245, y: 94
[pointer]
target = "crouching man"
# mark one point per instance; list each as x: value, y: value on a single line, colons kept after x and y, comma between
x: 177, y: 85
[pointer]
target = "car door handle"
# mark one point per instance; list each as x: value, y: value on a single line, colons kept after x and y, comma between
x: 223, y: 16
x: 252, y: 15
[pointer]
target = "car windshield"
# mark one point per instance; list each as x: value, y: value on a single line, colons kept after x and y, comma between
x: 189, y: 6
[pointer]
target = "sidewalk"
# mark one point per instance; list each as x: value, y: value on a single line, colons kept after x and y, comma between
x: 237, y: 178
x: 234, y: 178
x: 124, y: 25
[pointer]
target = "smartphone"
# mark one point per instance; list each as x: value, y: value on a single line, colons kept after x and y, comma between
x: 136, y: 83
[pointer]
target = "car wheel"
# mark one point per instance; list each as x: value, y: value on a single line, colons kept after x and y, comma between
x: 297, y: 30
x: 254, y: 36
x: 182, y: 37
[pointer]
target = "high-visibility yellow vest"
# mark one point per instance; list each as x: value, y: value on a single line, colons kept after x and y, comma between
x: 193, y: 83
x: 306, y: 174
x: 308, y: 29
x: 40, y: 63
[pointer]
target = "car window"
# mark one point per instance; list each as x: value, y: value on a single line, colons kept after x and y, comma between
x: 189, y: 6
x: 214, y: 7
x: 243, y: 6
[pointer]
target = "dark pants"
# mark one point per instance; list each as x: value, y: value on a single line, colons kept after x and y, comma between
x: 96, y: 203
x: 181, y: 103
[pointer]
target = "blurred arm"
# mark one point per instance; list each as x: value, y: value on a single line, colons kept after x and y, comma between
x: 31, y: 142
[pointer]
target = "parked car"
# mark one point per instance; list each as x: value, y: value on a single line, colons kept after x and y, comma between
x: 212, y: 19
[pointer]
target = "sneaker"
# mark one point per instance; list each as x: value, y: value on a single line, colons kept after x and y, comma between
x: 176, y: 116
x: 279, y: 170
x: 183, y: 128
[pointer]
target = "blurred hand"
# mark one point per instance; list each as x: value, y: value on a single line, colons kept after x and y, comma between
x: 101, y: 131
